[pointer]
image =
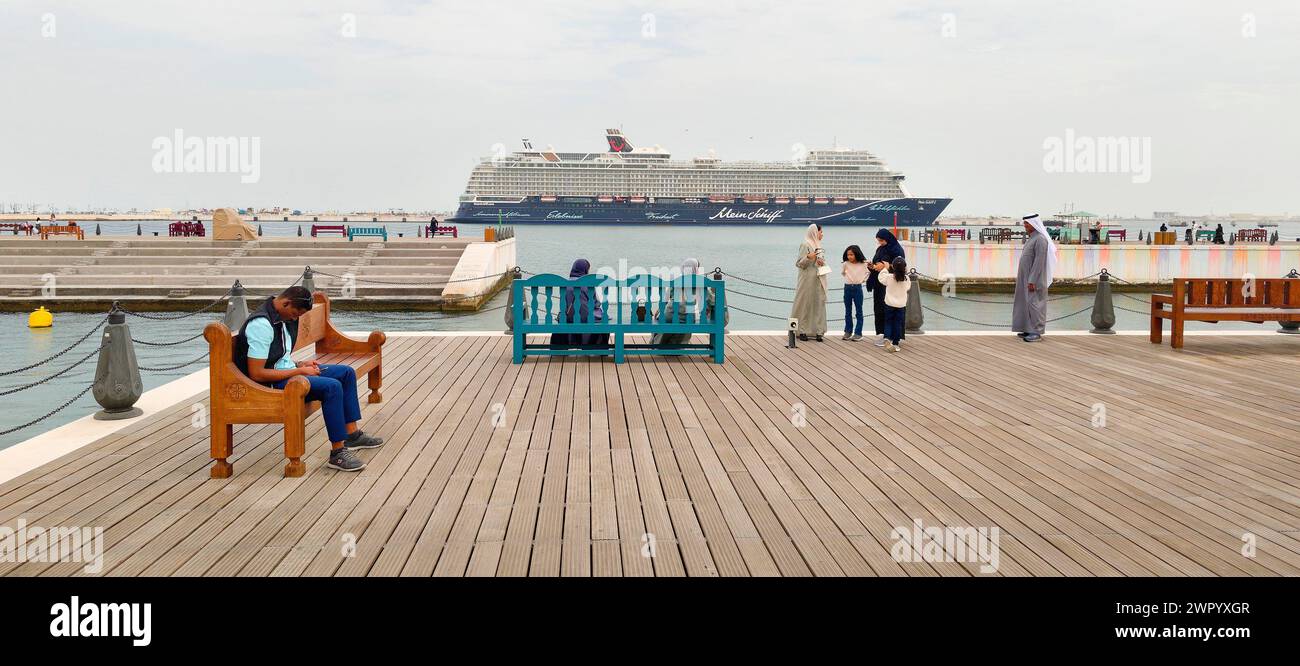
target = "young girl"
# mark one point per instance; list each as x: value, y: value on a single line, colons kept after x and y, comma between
x: 855, y: 271
x: 893, y: 277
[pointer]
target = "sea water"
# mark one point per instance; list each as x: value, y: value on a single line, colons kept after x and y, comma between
x: 760, y: 254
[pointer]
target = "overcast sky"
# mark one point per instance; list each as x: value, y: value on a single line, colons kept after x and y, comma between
x: 960, y: 96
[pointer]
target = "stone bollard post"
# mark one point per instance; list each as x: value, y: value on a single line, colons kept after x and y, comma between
x: 516, y: 273
x: 1290, y: 327
x: 117, y: 376
x: 308, y: 282
x: 915, y: 317
x: 236, y: 308
x: 1103, y: 307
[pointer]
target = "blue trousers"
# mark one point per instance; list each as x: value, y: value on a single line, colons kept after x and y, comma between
x: 852, y: 299
x: 336, y: 389
x: 894, y: 321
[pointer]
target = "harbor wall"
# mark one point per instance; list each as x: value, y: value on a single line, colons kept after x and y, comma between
x: 477, y: 276
x: 1133, y: 262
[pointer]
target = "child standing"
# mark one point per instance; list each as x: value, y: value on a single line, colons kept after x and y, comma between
x: 893, y: 277
x: 854, y: 272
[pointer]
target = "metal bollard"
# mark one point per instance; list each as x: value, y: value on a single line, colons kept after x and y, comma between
x: 117, y: 376
x: 1290, y: 327
x: 259, y: 230
x: 138, y: 230
x: 300, y: 231
x: 915, y: 317
x: 236, y: 308
x: 308, y: 282
x: 1139, y: 235
x: 1103, y: 306
x: 96, y: 229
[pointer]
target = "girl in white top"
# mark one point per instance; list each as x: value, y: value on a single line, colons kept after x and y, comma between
x: 893, y: 277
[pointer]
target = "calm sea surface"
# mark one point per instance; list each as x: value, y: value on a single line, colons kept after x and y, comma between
x: 763, y: 254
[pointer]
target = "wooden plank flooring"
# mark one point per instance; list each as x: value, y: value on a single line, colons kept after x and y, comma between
x: 778, y: 463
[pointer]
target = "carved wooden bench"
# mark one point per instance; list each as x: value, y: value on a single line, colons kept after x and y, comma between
x: 237, y: 399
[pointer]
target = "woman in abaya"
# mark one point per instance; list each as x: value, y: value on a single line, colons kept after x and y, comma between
x: 579, y: 305
x: 810, y: 287
x: 887, y: 249
x: 677, y: 305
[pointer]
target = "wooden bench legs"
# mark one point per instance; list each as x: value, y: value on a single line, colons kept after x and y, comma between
x: 374, y: 380
x: 223, y: 438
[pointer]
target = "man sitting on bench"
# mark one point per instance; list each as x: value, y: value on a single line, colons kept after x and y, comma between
x: 262, y: 351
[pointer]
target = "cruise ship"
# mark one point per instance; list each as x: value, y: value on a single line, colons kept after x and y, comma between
x: 623, y: 185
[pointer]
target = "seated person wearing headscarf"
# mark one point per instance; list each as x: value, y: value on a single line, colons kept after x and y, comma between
x: 676, y: 307
x: 579, y: 305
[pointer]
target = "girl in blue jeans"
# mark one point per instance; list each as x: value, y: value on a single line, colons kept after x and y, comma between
x: 854, y: 271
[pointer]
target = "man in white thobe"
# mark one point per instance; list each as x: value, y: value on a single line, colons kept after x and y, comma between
x: 1033, y: 277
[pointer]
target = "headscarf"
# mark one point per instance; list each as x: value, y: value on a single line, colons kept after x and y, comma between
x: 577, y: 305
x: 1050, y: 270
x: 810, y: 237
x: 690, y: 267
x: 892, y: 248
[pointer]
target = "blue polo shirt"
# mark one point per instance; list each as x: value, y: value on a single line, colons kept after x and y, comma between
x: 258, y: 333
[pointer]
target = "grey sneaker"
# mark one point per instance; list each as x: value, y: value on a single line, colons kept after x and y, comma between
x: 880, y: 341
x: 360, y: 440
x: 1032, y: 337
x: 847, y: 337
x: 856, y: 338
x: 345, y: 460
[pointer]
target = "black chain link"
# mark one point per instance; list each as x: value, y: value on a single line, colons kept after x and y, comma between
x: 56, y: 410
x: 59, y: 353
x: 187, y: 315
x: 410, y: 283
x: 167, y: 344
x: 54, y: 376
x: 174, y: 367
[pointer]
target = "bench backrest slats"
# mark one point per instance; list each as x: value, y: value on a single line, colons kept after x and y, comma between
x: 541, y: 301
x: 1234, y: 292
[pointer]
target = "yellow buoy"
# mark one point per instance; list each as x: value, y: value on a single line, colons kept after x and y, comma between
x: 41, y: 318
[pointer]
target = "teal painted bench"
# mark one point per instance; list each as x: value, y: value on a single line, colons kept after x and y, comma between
x: 638, y: 304
x: 353, y: 232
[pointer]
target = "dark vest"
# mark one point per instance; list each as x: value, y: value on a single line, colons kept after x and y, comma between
x: 278, y: 346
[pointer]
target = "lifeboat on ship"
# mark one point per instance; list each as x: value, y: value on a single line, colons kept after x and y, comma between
x: 637, y: 200
x: 605, y: 198
x: 548, y: 198
x: 801, y: 200
x: 781, y: 200
x: 821, y: 200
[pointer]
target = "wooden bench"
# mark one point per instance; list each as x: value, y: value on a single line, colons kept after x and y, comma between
x: 62, y: 230
x: 956, y: 234
x: 538, y: 304
x: 186, y: 229
x: 339, y: 229
x: 1252, y: 236
x: 1223, y: 299
x: 1204, y: 235
x: 368, y: 231
x: 443, y: 230
x: 16, y: 227
x: 1121, y: 234
x: 237, y: 399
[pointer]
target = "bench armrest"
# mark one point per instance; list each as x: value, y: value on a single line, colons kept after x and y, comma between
x: 335, y: 342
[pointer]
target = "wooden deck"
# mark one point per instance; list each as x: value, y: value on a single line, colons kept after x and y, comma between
x: 1199, y: 448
